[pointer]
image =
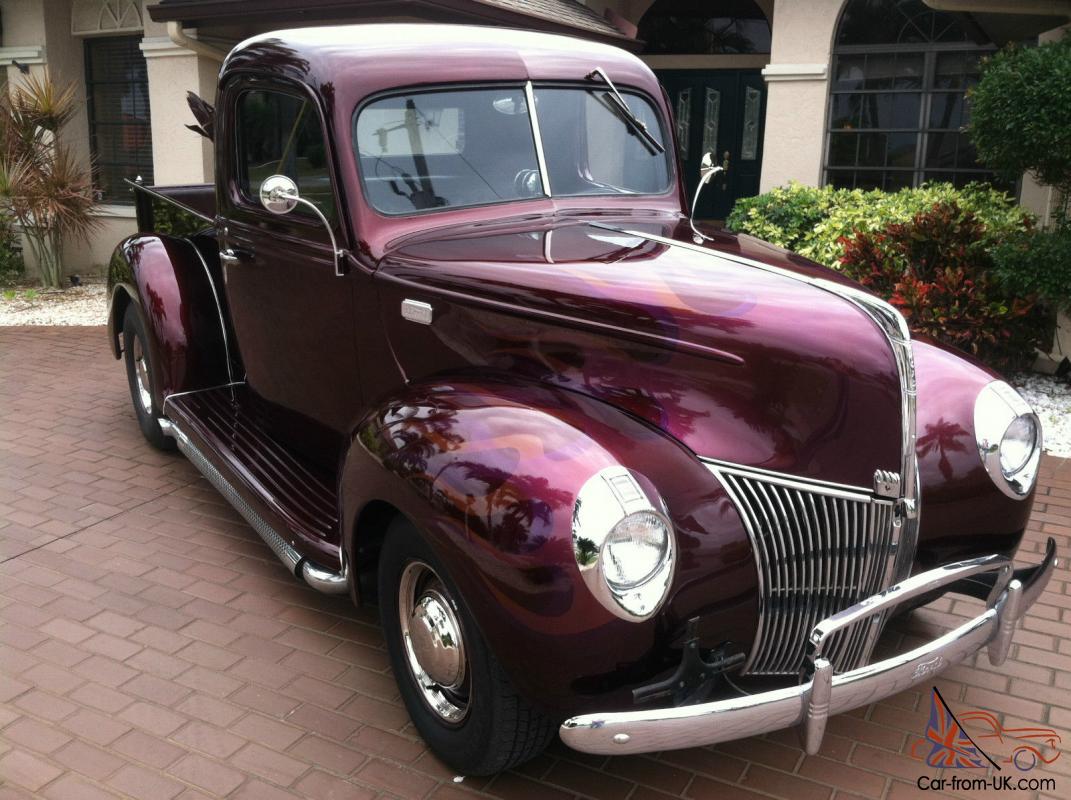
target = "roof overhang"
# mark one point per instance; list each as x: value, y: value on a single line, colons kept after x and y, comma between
x: 297, y: 13
x: 1009, y: 20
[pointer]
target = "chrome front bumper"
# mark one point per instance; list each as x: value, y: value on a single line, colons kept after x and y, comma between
x: 822, y: 693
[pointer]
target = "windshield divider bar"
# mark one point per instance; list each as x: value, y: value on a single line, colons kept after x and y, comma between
x: 529, y: 95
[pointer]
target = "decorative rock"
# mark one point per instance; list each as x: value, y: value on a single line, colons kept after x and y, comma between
x: 78, y: 305
x: 1051, y: 399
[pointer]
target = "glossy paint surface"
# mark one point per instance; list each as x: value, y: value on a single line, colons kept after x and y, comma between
x: 490, y: 471
x: 711, y: 351
x: 963, y: 513
x: 168, y: 282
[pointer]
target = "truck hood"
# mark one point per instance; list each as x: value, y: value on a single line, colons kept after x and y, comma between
x: 737, y: 362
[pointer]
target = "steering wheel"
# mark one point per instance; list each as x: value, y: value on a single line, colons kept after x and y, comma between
x: 526, y: 183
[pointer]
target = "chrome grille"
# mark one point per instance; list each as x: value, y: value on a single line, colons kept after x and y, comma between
x: 819, y: 548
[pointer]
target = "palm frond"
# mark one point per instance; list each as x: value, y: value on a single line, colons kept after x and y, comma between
x: 43, y: 102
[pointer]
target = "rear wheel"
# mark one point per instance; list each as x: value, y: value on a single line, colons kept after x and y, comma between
x: 139, y: 372
x: 456, y: 692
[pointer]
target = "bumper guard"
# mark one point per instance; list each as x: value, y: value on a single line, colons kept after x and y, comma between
x: 821, y: 693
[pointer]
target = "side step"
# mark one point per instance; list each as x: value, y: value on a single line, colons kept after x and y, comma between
x: 209, y: 428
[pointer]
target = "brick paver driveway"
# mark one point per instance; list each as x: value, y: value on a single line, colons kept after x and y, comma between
x: 154, y: 648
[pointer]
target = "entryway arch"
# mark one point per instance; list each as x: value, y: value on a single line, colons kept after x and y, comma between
x: 709, y: 56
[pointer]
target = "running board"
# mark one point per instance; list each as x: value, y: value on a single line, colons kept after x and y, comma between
x: 317, y: 577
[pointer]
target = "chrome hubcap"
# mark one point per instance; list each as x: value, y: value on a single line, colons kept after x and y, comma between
x: 141, y: 376
x: 434, y: 645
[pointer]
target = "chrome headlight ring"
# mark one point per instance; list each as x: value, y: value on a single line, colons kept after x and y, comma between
x: 624, y: 543
x: 1000, y: 412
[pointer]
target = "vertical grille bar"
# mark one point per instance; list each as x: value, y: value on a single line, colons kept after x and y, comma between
x: 820, y: 548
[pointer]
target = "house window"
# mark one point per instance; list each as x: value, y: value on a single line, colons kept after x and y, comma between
x: 897, y: 104
x: 120, y: 136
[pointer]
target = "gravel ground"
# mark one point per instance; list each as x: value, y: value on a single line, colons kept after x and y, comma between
x: 1051, y: 399
x: 86, y: 305
x: 79, y: 305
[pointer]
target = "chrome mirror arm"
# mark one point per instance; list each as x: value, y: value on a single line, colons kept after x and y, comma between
x: 337, y: 254
x: 706, y: 172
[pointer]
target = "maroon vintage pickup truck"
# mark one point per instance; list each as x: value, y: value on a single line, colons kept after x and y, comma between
x: 444, y: 334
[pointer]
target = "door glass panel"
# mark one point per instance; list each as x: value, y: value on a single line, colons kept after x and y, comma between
x: 710, y: 121
x: 280, y: 133
x: 684, y: 120
x: 750, y: 143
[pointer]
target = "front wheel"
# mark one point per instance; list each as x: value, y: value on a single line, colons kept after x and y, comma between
x: 139, y: 371
x: 456, y: 692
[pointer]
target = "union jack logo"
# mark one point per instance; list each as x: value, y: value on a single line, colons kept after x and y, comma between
x: 950, y: 745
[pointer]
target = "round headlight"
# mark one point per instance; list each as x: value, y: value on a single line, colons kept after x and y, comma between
x: 1018, y: 445
x: 1008, y: 436
x: 623, y: 543
x: 634, y: 550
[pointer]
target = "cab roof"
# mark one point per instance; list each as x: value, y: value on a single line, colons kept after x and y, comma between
x: 347, y: 62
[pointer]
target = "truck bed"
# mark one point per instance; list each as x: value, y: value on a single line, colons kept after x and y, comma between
x: 181, y: 210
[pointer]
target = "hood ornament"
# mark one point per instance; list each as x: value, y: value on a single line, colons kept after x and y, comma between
x: 886, y: 483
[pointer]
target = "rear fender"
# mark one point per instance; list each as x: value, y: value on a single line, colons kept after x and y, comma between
x: 170, y: 286
x: 489, y: 475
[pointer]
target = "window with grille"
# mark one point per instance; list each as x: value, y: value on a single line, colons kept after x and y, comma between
x: 897, y: 104
x: 120, y: 136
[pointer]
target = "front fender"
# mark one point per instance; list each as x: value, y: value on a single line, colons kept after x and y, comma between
x: 489, y: 474
x: 168, y: 283
x: 963, y: 513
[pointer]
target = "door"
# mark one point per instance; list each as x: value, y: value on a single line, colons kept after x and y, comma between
x: 722, y: 112
x: 293, y: 316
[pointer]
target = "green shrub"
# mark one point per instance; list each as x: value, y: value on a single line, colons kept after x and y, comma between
x: 814, y: 222
x: 784, y: 216
x: 1037, y: 262
x: 937, y: 268
x: 11, y: 266
x: 1020, y: 114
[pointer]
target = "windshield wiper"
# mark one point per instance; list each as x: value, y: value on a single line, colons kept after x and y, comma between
x: 630, y: 119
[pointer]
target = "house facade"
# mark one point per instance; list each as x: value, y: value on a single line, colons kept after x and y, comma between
x: 858, y: 93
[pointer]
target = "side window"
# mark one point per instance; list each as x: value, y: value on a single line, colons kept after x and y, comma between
x: 279, y: 133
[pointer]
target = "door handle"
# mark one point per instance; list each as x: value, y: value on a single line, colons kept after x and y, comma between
x: 235, y: 255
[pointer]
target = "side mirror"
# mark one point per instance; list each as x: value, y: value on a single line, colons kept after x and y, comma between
x: 707, y: 170
x: 279, y: 195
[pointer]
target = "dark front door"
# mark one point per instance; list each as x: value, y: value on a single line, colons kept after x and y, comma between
x: 721, y: 112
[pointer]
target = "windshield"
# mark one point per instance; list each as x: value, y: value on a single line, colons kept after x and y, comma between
x: 448, y: 149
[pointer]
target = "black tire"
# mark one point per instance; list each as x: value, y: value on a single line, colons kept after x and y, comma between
x: 500, y: 728
x: 135, y: 345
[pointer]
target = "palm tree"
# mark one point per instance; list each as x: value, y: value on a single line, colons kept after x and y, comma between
x: 42, y: 184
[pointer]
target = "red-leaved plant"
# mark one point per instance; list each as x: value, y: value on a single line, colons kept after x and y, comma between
x: 937, y: 270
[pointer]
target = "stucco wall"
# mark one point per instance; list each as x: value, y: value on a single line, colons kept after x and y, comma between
x: 179, y: 155
x: 798, y: 89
